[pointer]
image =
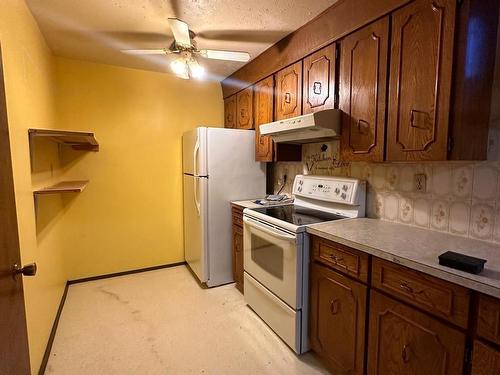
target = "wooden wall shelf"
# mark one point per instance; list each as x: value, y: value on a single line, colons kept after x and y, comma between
x: 63, y: 187
x: 82, y: 141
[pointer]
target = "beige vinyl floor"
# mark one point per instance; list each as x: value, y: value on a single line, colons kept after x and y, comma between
x: 162, y: 322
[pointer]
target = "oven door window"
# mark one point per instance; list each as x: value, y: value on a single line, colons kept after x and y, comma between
x: 270, y: 256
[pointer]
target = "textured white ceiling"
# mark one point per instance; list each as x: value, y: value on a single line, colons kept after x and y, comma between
x: 96, y: 30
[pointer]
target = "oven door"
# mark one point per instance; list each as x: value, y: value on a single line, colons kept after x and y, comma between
x: 270, y: 257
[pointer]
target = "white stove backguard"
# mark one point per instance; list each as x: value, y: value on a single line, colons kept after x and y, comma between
x: 340, y: 195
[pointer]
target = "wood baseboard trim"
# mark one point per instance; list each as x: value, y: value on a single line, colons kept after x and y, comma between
x: 124, y: 273
x: 52, y: 335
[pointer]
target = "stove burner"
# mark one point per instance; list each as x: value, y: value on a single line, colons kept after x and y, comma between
x: 297, y: 215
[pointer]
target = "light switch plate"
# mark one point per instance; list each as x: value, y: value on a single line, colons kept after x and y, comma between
x: 420, y: 183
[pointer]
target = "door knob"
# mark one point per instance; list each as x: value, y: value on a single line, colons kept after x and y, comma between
x: 27, y: 270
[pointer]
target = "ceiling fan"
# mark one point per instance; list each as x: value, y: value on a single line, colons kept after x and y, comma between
x: 186, y: 65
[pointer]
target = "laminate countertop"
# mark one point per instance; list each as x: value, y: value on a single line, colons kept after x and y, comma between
x: 417, y: 249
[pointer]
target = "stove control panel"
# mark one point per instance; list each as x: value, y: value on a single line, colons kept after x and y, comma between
x: 332, y: 189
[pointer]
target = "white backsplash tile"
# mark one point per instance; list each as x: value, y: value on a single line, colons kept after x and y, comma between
x: 482, y: 218
x: 462, y: 198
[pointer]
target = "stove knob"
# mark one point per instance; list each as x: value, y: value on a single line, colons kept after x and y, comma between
x: 343, y: 196
x: 345, y: 187
x: 299, y: 189
x: 337, y: 191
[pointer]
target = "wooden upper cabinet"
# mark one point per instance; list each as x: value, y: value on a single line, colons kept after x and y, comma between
x: 337, y: 321
x: 230, y: 112
x: 319, y: 80
x: 420, y: 80
x: 263, y: 111
x: 288, y: 95
x: 244, y: 109
x: 403, y: 340
x: 363, y: 82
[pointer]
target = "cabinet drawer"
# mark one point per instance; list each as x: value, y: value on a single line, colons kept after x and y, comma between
x: 488, y: 319
x: 342, y: 258
x: 438, y: 297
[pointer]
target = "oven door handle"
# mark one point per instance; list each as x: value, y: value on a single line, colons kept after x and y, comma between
x: 257, y: 225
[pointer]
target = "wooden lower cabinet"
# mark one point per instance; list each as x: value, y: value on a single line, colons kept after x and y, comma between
x: 337, y: 324
x: 238, y: 257
x: 485, y: 360
x: 237, y: 230
x: 402, y: 340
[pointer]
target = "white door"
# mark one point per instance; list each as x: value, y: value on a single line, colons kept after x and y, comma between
x: 195, y: 234
x: 270, y: 257
x: 194, y: 152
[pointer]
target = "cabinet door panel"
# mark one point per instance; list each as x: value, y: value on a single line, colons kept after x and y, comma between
x: 230, y: 112
x: 406, y: 341
x: 238, y: 257
x: 319, y: 80
x: 488, y: 319
x: 485, y: 360
x: 289, y: 91
x: 363, y: 76
x: 420, y: 81
x: 337, y: 323
x: 244, y: 109
x: 263, y: 108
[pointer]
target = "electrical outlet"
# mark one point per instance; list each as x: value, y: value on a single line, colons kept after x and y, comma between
x: 421, y: 183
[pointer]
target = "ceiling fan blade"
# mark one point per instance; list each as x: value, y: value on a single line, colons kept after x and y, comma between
x: 180, y: 30
x: 158, y: 51
x: 225, y: 55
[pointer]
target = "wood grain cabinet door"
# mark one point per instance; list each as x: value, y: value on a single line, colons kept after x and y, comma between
x: 337, y: 321
x: 263, y: 109
x: 230, y: 112
x: 238, y: 257
x: 485, y: 360
x: 289, y: 92
x: 488, y: 319
x: 244, y: 109
x: 420, y: 80
x: 363, y: 77
x: 403, y: 340
x: 319, y: 80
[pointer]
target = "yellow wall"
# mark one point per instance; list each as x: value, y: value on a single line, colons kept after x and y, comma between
x: 29, y: 77
x: 130, y: 215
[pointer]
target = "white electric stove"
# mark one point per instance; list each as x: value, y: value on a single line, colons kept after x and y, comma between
x: 276, y: 250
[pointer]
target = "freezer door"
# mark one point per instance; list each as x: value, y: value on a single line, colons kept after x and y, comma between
x: 195, y: 218
x: 194, y: 152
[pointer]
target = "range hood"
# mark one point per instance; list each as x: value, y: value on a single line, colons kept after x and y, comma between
x: 313, y: 127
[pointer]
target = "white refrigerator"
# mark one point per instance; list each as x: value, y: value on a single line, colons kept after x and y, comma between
x: 218, y: 167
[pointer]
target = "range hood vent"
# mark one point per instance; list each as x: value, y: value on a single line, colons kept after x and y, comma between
x: 313, y: 127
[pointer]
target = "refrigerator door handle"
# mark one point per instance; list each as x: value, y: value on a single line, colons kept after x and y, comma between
x: 195, y: 156
x: 196, y: 201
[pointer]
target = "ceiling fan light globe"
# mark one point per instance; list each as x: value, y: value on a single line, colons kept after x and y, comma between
x: 197, y: 71
x: 179, y: 67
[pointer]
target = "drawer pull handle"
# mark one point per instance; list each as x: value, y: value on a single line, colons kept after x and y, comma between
x: 336, y: 258
x: 334, y: 306
x: 404, y: 285
x: 405, y: 354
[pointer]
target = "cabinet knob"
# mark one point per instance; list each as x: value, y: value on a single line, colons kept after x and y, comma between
x: 27, y: 270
